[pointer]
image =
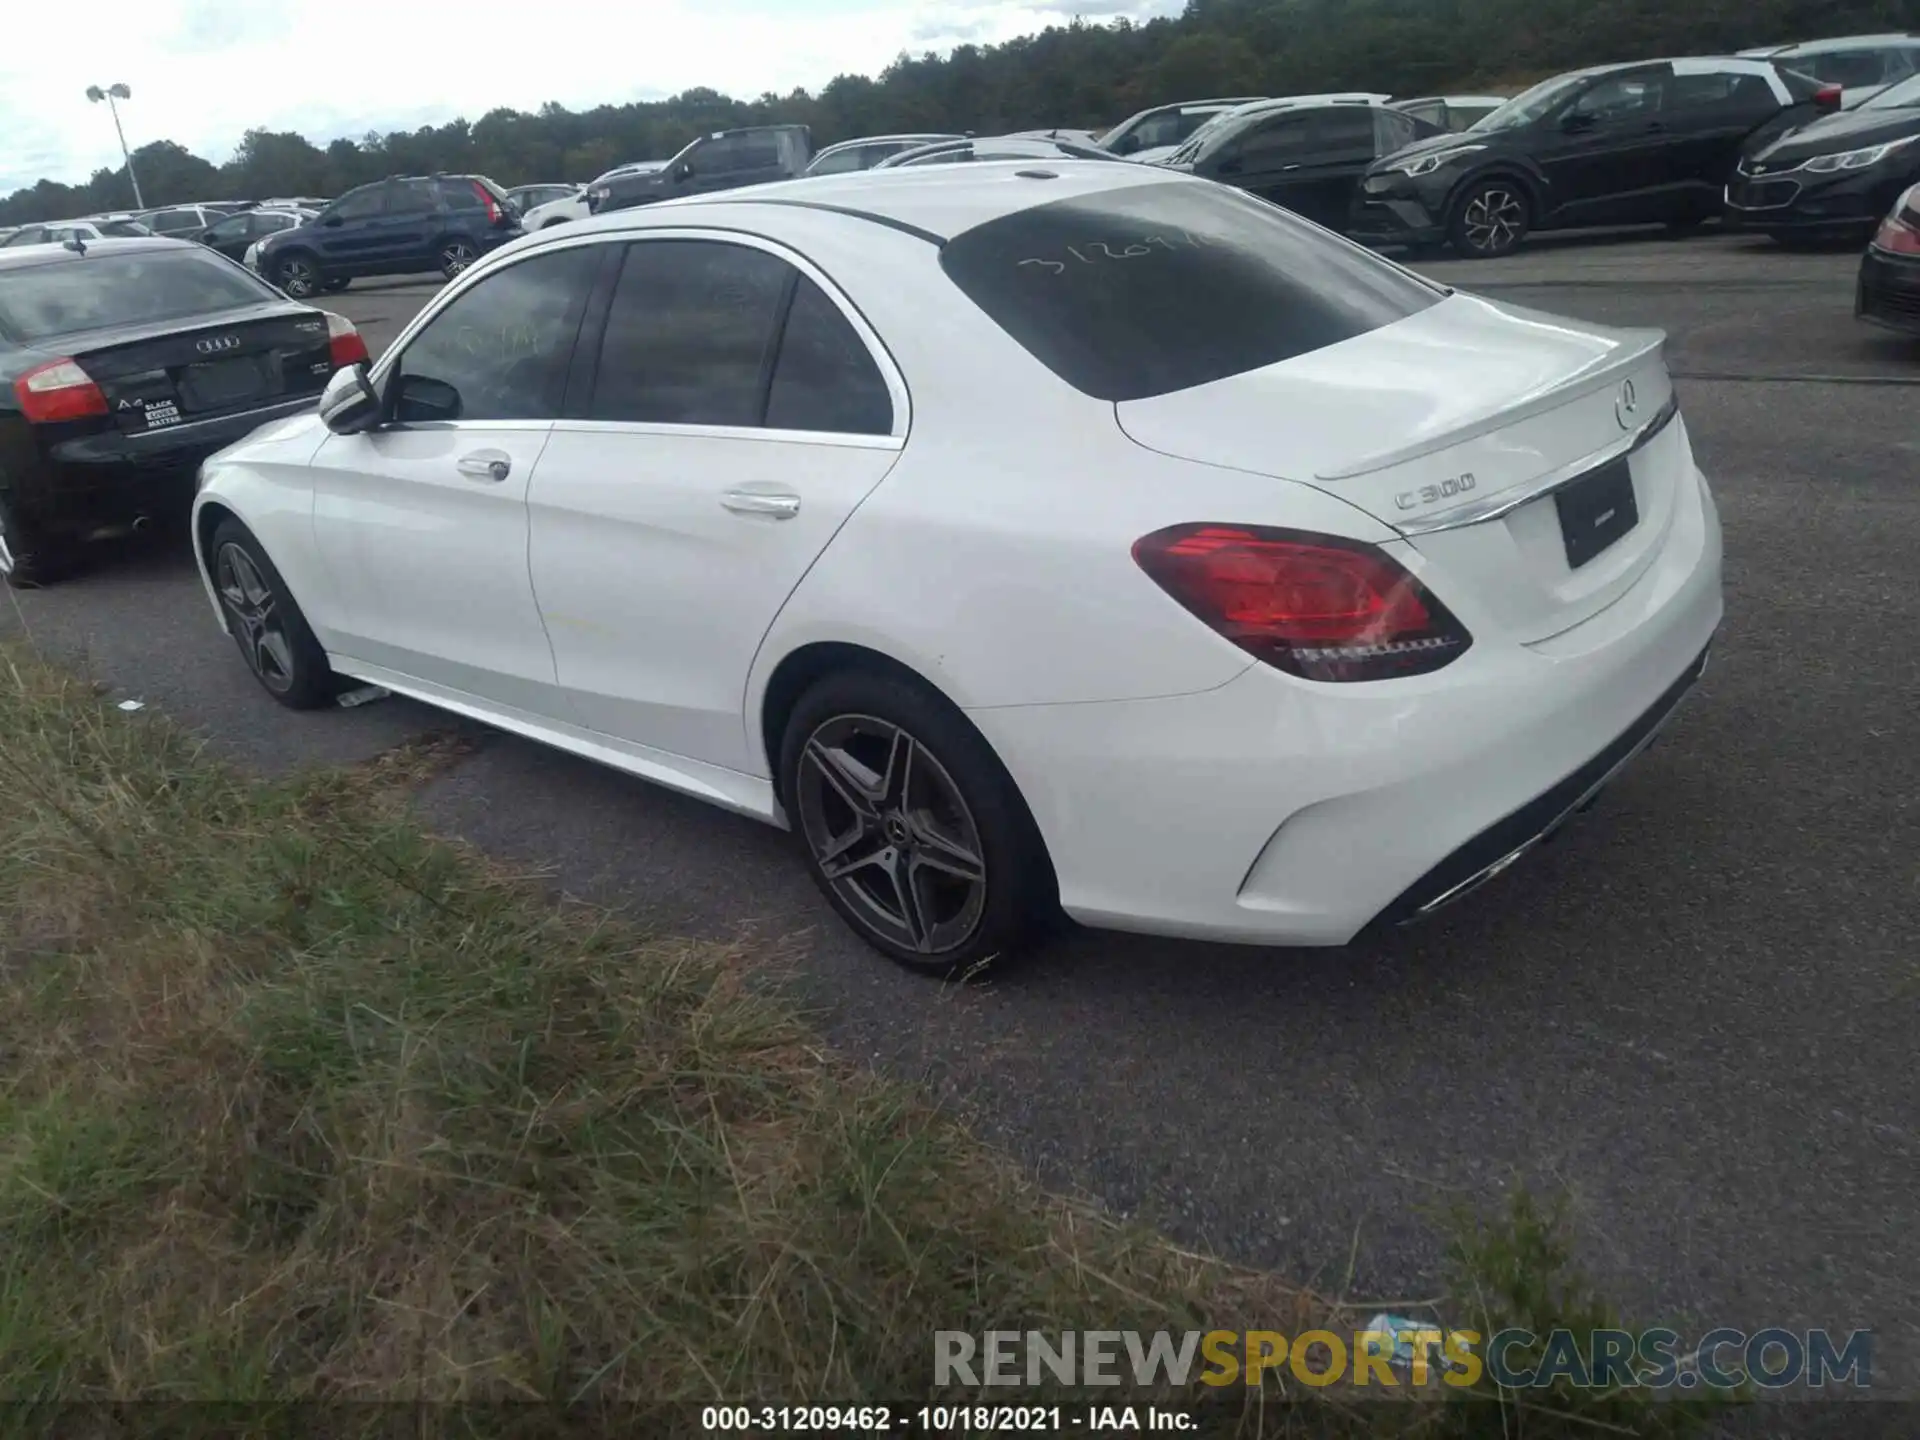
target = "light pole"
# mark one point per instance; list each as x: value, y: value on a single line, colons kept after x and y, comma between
x: 110, y: 94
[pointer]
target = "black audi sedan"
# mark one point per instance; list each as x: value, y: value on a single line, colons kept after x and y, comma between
x: 1835, y: 177
x: 124, y: 364
x: 1889, y: 289
x: 1649, y: 142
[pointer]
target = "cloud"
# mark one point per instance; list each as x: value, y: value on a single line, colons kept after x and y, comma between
x: 203, y: 72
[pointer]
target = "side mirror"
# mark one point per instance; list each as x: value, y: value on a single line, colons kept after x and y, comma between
x: 350, y: 404
x: 422, y: 399
x: 683, y: 171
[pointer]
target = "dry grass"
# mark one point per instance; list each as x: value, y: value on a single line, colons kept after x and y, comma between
x: 296, y: 1101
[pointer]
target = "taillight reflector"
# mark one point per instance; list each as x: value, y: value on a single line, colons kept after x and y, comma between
x: 59, y: 390
x: 1317, y: 606
x: 344, y: 344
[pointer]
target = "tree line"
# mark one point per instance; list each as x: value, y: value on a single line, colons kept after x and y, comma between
x: 1079, y: 75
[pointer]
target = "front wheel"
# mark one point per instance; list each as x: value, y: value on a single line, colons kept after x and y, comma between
x: 1491, y: 219
x: 911, y: 826
x: 265, y: 623
x: 455, y: 256
x: 300, y: 277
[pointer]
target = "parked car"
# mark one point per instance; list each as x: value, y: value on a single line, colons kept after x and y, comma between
x: 58, y: 232
x: 7, y: 232
x: 292, y: 202
x: 529, y: 197
x: 179, y: 221
x: 1452, y: 112
x: 1184, y: 153
x: 867, y: 152
x: 1834, y: 177
x: 574, y: 206
x: 1651, y: 141
x: 408, y: 225
x: 234, y: 235
x: 1165, y: 125
x: 993, y: 147
x: 820, y: 608
x: 724, y: 160
x: 122, y: 366
x: 1888, y: 292
x: 1078, y: 137
x: 1862, y: 65
x: 1308, y: 156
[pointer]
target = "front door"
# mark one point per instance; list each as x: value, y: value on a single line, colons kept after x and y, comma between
x: 1605, y: 154
x: 738, y: 415
x: 422, y: 523
x: 1271, y: 159
x: 348, y: 233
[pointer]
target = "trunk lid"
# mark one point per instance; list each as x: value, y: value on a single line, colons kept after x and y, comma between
x: 168, y: 373
x: 1445, y: 426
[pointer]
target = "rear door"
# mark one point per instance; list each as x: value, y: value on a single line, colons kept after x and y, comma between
x: 739, y: 412
x: 1269, y: 159
x: 348, y: 235
x: 1709, y: 113
x: 410, y: 227
x: 1605, y: 153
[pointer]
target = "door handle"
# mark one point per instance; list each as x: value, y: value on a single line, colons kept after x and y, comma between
x: 780, y: 504
x: 493, y: 466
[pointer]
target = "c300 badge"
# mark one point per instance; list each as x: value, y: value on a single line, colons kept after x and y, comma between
x: 1434, y: 494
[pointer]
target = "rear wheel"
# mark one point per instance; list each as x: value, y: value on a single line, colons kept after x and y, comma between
x: 30, y: 555
x: 455, y: 256
x: 265, y: 623
x: 911, y: 826
x: 1491, y: 219
x: 299, y: 276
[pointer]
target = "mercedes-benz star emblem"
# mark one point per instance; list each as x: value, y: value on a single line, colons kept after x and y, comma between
x: 1626, y: 406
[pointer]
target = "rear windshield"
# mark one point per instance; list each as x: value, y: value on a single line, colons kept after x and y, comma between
x: 97, y: 291
x: 1160, y: 287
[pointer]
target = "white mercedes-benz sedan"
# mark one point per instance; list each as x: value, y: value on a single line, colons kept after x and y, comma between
x: 1025, y: 537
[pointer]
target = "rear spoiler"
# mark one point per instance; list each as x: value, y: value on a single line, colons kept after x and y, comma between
x: 1633, y: 350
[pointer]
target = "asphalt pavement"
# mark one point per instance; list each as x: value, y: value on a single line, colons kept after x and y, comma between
x: 1692, y: 1013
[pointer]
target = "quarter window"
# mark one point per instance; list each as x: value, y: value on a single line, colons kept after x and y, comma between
x: 504, y: 345
x: 689, y: 334
x: 825, y: 378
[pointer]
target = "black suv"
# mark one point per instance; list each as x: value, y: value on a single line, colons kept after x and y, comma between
x: 1653, y: 141
x: 724, y: 160
x: 404, y: 226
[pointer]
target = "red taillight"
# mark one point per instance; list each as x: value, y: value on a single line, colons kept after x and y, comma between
x: 494, y: 213
x: 1828, y: 97
x: 1316, y: 606
x: 343, y: 341
x: 1897, y: 233
x: 58, y: 390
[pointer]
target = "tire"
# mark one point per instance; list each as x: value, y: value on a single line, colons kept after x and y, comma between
x: 948, y: 873
x: 455, y: 256
x: 337, y: 284
x: 299, y: 275
x: 265, y: 623
x: 32, y: 556
x: 1490, y: 219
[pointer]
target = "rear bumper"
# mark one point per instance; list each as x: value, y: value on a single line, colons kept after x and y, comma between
x: 1888, y: 291
x: 1275, y: 811
x: 110, y: 478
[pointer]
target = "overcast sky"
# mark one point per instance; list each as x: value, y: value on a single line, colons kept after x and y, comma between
x: 204, y: 71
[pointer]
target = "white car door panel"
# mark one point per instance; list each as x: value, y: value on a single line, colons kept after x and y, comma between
x: 422, y: 521
x: 429, y: 561
x: 661, y: 559
x: 739, y: 414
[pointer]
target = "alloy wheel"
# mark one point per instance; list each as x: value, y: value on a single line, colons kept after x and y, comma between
x: 298, y: 279
x: 1494, y: 219
x: 259, y: 627
x: 892, y: 834
x: 455, y: 257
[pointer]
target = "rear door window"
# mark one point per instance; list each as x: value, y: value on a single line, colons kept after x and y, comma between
x: 1392, y: 130
x: 417, y: 197
x: 1159, y: 287
x: 826, y: 378
x: 1342, y: 132
x: 689, y: 335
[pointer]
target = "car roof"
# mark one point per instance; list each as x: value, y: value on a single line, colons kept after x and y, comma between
x: 1450, y: 100
x: 27, y: 256
x: 934, y: 201
x: 924, y: 136
x: 1836, y: 42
